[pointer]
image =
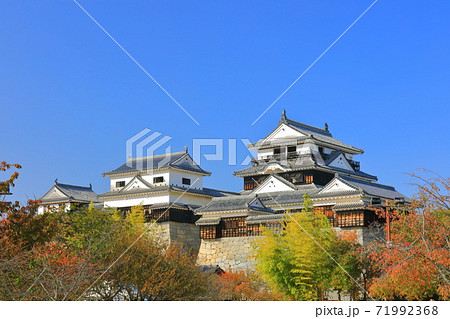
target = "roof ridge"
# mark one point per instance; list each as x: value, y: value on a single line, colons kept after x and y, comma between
x: 310, y: 127
x: 369, y: 183
x: 77, y: 186
x: 157, y: 155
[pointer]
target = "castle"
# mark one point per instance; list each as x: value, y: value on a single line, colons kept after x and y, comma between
x: 219, y: 226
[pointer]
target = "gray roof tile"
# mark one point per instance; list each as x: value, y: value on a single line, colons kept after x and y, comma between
x: 162, y: 161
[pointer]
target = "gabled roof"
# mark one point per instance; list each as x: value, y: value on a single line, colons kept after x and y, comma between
x: 304, y: 162
x: 69, y: 193
x: 269, y: 179
x: 308, y: 132
x: 240, y: 203
x: 140, y: 191
x: 354, y: 185
x: 136, y: 180
x: 180, y: 160
x: 375, y: 189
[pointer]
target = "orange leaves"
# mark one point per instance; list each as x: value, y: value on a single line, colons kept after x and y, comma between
x: 244, y: 285
x: 416, y: 264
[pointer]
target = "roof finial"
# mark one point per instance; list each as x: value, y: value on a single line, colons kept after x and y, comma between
x: 326, y: 126
x: 186, y: 148
x: 56, y: 181
x: 283, y: 115
x: 90, y: 185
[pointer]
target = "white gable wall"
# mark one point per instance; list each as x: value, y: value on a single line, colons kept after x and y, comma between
x: 341, y: 162
x: 272, y: 184
x: 54, y: 193
x: 335, y: 185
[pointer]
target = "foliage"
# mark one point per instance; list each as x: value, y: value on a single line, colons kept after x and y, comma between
x: 244, y: 286
x: 415, y: 265
x: 5, y: 185
x: 294, y: 259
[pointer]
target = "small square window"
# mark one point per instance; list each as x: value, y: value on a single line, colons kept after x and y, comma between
x: 186, y: 181
x: 158, y: 179
x: 292, y: 149
x: 120, y: 184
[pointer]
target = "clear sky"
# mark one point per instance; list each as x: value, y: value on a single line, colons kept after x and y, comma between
x: 70, y: 98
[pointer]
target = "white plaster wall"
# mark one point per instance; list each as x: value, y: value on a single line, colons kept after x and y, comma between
x: 264, y: 153
x: 133, y: 201
x: 113, y: 181
x: 176, y: 179
x: 341, y: 162
x: 149, y: 177
x: 273, y: 185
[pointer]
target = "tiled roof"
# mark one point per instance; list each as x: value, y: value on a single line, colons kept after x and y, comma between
x: 305, y: 162
x: 149, y: 163
x: 310, y: 132
x: 206, y: 221
x: 164, y: 188
x: 306, y: 127
x: 262, y: 219
x: 232, y: 203
x: 72, y: 193
x: 375, y: 189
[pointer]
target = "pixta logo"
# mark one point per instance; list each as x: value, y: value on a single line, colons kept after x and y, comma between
x: 145, y: 145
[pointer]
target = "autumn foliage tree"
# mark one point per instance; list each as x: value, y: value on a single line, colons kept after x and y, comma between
x: 89, y: 253
x: 415, y: 265
x: 244, y: 286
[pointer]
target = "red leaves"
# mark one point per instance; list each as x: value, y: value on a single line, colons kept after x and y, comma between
x: 416, y: 264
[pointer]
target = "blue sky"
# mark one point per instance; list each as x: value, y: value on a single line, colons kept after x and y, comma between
x: 70, y: 98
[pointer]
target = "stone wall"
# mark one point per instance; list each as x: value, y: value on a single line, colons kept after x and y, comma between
x: 228, y: 253
x: 175, y: 232
x: 233, y: 252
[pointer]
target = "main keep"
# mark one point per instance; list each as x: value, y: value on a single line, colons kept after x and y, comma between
x: 219, y: 226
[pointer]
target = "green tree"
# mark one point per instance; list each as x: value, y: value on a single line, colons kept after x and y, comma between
x: 292, y: 259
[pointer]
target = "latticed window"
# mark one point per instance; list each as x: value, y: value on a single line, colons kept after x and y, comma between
x: 347, y: 219
x: 309, y: 179
x: 234, y: 227
x: 254, y: 230
x: 208, y: 232
x: 325, y: 210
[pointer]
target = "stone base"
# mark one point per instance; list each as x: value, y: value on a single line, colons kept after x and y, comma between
x: 231, y: 253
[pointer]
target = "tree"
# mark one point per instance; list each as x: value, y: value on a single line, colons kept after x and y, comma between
x: 5, y: 185
x: 244, y: 286
x: 293, y: 259
x: 415, y: 265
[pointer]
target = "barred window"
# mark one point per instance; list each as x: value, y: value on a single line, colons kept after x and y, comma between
x: 158, y: 179
x: 309, y: 179
x: 234, y: 227
x: 208, y: 232
x: 347, y: 219
x: 120, y: 184
x: 254, y: 230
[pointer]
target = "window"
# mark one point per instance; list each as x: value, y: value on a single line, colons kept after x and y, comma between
x: 309, y: 179
x: 292, y: 149
x: 276, y: 151
x: 158, y: 179
x: 120, y: 184
x: 208, y: 232
x: 186, y: 181
x: 234, y: 227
